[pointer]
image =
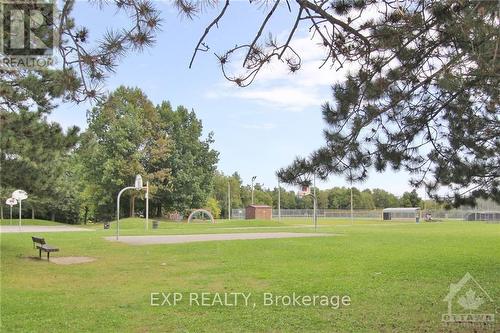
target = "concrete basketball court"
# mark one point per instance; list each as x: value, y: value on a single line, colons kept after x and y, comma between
x: 6, y: 229
x: 177, y: 239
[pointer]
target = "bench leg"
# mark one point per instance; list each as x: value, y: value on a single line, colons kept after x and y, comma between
x: 40, y: 253
x: 48, y: 256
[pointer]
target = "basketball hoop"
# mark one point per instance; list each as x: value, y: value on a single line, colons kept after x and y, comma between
x: 303, y: 191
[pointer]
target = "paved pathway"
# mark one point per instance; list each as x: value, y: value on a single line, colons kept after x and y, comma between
x: 4, y: 229
x: 175, y: 239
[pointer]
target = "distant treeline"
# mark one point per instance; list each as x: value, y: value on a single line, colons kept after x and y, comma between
x: 334, y: 198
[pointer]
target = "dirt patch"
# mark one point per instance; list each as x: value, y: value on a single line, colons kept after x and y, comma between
x: 71, y: 260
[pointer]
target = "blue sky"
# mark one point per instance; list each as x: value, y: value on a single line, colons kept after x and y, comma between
x: 257, y: 129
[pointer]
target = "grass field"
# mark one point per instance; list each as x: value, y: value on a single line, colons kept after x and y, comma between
x: 396, y: 275
x: 15, y: 221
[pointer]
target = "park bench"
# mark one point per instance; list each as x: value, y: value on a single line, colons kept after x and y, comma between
x: 40, y: 244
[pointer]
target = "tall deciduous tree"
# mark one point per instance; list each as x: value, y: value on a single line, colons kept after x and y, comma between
x: 410, y: 199
x: 288, y: 198
x: 384, y: 199
x: 192, y: 160
x: 124, y: 138
x: 213, y: 207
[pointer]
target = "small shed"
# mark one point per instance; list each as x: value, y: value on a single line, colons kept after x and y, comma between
x: 401, y: 213
x: 259, y: 212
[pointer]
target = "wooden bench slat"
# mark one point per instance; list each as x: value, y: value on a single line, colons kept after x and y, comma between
x: 47, y: 248
x: 38, y: 240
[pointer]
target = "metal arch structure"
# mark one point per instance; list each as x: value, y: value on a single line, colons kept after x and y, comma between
x: 204, y: 211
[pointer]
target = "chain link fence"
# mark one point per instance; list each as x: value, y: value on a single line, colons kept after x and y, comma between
x: 321, y: 213
x: 456, y: 214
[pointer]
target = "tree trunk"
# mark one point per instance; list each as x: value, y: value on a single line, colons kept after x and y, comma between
x: 1, y: 212
x: 158, y: 210
x: 85, y: 215
x: 32, y: 212
x: 132, y: 205
x: 52, y: 216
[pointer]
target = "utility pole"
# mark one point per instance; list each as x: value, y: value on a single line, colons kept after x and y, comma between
x: 147, y: 205
x: 229, y: 199
x: 352, y: 213
x: 253, y: 179
x: 315, y: 203
x: 279, y: 201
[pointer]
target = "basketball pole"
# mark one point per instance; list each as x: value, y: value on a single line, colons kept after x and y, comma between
x: 315, y: 200
x: 118, y: 209
x: 20, y: 214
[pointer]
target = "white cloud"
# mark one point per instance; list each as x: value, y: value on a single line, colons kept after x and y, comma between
x: 264, y: 126
x: 288, y: 97
x: 276, y: 87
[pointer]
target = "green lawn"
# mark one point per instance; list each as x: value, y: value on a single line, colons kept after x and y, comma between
x: 396, y: 274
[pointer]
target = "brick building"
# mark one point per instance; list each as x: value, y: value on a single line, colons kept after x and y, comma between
x: 259, y: 212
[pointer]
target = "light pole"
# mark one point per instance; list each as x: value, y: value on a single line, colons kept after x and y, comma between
x: 20, y: 195
x: 352, y: 215
x: 147, y: 205
x: 279, y: 201
x: 253, y: 179
x: 315, y: 203
x: 137, y: 186
x: 229, y: 199
x: 11, y: 202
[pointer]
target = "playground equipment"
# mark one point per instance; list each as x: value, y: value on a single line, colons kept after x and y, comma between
x: 202, y: 212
